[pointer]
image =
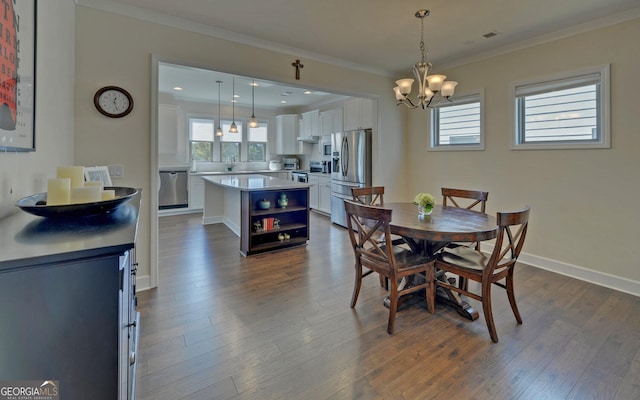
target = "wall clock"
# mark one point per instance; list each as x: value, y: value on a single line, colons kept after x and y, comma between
x: 113, y: 101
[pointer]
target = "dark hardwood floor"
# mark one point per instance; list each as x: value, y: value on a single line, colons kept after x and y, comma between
x: 279, y: 326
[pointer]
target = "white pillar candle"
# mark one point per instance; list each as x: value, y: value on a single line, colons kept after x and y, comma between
x: 58, y: 191
x: 94, y: 183
x: 89, y: 194
x: 108, y: 194
x: 76, y: 174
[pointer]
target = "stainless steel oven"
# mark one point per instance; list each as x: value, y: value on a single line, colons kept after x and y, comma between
x: 300, y: 176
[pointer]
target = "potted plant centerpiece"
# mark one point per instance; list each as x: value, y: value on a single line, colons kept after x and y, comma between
x: 425, y: 202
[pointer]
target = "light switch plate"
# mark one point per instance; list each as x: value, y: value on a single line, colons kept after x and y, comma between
x: 116, y: 171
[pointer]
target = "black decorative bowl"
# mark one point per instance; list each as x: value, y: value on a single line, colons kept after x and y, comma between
x: 36, y: 205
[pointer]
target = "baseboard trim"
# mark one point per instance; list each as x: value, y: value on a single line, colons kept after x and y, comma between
x: 143, y: 282
x: 574, y: 271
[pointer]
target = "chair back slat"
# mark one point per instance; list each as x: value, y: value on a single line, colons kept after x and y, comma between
x: 364, y: 224
x: 452, y: 197
x: 372, y: 195
x: 512, y: 230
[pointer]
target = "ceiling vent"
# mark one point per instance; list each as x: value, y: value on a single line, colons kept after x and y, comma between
x: 491, y: 34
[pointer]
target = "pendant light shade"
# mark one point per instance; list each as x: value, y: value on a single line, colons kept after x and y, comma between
x: 234, y: 127
x: 253, y: 121
x: 219, y: 130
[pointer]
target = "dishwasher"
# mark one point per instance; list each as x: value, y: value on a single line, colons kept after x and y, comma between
x: 173, y: 190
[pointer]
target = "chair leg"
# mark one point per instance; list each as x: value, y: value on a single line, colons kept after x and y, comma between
x: 384, y: 282
x: 512, y: 297
x: 356, y: 285
x: 488, y: 313
x: 431, y: 289
x: 393, y: 305
x: 463, y: 283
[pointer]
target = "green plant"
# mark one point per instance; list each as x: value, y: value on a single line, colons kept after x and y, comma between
x: 425, y: 200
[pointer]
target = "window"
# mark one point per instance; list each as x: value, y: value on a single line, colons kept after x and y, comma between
x: 201, y: 135
x: 457, y: 124
x: 567, y: 111
x: 257, y: 143
x: 230, y: 146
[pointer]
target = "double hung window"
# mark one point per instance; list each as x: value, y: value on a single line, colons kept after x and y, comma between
x: 565, y: 111
x: 201, y: 135
x: 458, y: 124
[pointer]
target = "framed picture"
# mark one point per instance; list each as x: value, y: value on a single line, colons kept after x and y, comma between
x: 18, y: 76
x: 98, y: 174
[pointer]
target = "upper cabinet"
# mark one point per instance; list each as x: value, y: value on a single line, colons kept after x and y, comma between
x: 287, y: 135
x: 331, y: 121
x: 167, y: 129
x: 310, y: 126
x: 358, y: 114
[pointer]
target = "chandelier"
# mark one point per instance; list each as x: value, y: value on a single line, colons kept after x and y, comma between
x: 430, y: 87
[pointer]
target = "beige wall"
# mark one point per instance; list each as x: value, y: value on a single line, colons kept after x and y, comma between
x: 23, y: 174
x: 585, y: 217
x: 123, y: 56
x: 582, y: 215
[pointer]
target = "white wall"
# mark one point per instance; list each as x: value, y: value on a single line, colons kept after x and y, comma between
x: 23, y: 174
x: 123, y: 56
x: 584, y: 217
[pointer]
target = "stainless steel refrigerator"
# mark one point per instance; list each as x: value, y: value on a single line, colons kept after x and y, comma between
x: 350, y: 167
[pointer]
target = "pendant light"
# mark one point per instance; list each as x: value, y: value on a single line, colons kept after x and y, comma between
x: 234, y: 127
x: 219, y: 130
x: 253, y: 121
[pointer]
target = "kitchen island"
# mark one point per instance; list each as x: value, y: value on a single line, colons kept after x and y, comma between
x: 267, y: 213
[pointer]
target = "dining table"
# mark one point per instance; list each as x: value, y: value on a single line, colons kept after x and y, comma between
x: 426, y: 234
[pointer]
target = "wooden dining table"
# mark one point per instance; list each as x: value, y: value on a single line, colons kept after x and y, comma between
x: 426, y: 234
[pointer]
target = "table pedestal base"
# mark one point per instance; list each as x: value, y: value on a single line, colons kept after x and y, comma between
x: 448, y: 297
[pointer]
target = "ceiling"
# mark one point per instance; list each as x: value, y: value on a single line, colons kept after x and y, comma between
x: 383, y: 36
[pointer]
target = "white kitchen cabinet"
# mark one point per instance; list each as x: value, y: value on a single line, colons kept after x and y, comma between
x: 331, y: 121
x: 310, y: 124
x: 313, y: 192
x: 287, y: 136
x: 320, y: 193
x: 358, y: 114
x: 167, y: 129
x: 196, y: 192
x: 324, y: 194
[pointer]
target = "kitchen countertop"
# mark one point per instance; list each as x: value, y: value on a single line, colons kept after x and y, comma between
x: 262, y: 171
x: 253, y: 182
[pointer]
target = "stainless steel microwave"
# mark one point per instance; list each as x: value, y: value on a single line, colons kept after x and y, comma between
x: 326, y: 149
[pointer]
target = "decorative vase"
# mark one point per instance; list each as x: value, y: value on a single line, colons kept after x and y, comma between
x: 425, y: 210
x: 283, y: 202
x: 264, y: 204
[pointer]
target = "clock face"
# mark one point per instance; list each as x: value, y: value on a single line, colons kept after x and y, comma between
x: 113, y: 101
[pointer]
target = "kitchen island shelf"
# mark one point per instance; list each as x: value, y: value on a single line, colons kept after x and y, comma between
x: 278, y: 210
x: 283, y: 228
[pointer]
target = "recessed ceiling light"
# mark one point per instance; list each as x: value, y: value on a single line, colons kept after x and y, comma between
x: 177, y: 88
x: 308, y: 92
x: 236, y: 96
x: 234, y: 101
x: 254, y: 84
x: 283, y: 102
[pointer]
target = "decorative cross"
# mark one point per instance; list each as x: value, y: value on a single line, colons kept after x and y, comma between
x: 298, y: 66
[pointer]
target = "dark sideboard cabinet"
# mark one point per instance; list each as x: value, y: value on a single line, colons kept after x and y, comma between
x: 68, y: 303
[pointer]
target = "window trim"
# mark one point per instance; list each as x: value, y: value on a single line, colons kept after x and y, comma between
x: 470, y: 97
x: 562, y: 80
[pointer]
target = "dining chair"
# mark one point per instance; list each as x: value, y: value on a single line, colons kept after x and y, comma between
x: 471, y: 264
x: 374, y: 196
x: 470, y: 200
x: 392, y: 262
